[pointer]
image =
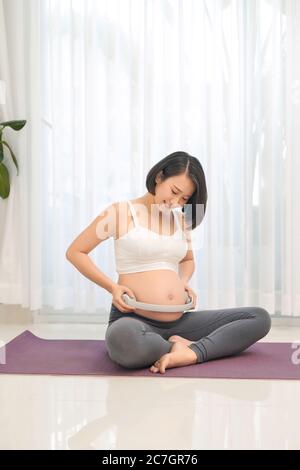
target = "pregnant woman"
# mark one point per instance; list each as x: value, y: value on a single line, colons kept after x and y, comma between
x: 154, y: 261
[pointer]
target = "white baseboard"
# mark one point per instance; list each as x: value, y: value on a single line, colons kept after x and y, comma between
x: 17, y: 314
x: 70, y: 318
x: 285, y: 321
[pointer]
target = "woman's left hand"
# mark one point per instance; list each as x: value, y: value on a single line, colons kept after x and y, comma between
x: 191, y: 293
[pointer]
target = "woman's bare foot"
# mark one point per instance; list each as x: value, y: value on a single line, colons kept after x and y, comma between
x: 179, y: 339
x: 179, y: 356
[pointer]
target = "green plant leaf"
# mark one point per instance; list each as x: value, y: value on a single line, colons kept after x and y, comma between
x: 4, y: 181
x: 1, y: 152
x: 12, y: 155
x: 16, y: 125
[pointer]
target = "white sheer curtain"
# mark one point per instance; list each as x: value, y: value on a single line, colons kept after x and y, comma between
x: 20, y: 214
x: 124, y: 83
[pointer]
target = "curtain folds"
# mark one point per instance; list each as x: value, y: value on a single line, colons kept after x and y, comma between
x: 20, y: 214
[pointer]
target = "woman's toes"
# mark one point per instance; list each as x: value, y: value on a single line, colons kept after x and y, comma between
x: 160, y: 366
x: 155, y: 367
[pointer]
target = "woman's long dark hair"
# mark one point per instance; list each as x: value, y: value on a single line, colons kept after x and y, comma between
x: 178, y: 163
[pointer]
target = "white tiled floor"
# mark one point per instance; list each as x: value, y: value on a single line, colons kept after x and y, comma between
x: 72, y: 412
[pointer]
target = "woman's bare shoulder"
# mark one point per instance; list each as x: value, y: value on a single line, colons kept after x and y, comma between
x: 119, y: 206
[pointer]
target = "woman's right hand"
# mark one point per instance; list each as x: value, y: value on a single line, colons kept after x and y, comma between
x: 117, y: 300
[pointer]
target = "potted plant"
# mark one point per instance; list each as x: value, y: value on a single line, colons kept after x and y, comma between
x: 4, y: 175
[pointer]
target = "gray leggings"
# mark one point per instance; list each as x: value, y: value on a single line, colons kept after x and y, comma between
x: 134, y: 341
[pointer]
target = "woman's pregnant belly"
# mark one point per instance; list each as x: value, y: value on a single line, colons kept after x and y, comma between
x: 156, y: 287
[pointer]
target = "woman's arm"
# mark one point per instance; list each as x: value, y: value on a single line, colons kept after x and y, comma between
x: 187, y: 264
x: 95, y: 233
x: 85, y: 265
x: 186, y: 269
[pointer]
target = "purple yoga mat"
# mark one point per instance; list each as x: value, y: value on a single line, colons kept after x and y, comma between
x: 29, y: 354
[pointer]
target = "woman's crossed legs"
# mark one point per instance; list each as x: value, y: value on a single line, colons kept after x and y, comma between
x: 136, y: 342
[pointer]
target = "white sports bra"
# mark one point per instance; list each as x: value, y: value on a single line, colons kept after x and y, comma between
x: 142, y: 249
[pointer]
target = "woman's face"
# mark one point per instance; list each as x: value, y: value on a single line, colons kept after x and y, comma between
x: 173, y: 192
